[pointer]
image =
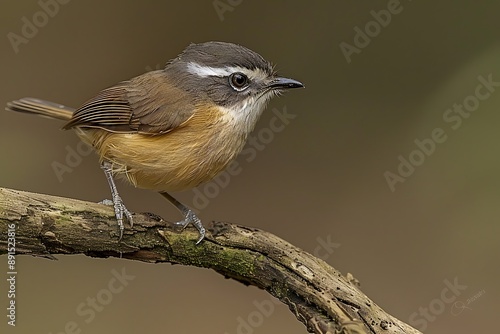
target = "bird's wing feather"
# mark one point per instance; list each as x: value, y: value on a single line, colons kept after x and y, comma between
x: 145, y: 104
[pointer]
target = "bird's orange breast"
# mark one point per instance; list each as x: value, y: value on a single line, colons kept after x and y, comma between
x: 191, y: 154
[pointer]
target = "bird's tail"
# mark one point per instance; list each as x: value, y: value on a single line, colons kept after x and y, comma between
x: 41, y: 107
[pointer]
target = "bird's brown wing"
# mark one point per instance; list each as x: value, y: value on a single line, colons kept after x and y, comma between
x: 145, y: 104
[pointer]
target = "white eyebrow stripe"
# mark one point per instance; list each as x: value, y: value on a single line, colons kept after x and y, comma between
x: 208, y: 71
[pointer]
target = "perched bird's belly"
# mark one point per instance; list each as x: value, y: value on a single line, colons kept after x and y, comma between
x: 177, y: 160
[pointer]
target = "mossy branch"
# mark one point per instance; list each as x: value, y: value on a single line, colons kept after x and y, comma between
x: 319, y: 296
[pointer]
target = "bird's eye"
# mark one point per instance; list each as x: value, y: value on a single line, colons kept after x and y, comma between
x: 238, y: 81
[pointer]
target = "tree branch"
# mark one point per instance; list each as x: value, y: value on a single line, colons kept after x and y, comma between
x: 318, y: 295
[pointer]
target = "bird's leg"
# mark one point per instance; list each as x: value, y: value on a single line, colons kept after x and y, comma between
x: 117, y: 202
x: 189, y: 216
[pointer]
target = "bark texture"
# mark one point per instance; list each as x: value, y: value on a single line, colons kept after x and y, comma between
x: 319, y: 296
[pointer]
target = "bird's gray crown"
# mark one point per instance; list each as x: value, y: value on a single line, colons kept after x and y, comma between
x: 222, y: 54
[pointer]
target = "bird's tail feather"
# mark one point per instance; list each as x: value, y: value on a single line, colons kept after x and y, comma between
x: 41, y: 107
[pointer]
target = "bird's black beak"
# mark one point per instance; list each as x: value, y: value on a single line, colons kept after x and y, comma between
x: 284, y: 83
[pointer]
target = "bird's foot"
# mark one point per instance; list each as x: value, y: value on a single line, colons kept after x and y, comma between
x: 191, y: 218
x: 120, y: 211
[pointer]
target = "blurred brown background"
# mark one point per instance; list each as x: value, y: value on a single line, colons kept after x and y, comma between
x: 320, y: 180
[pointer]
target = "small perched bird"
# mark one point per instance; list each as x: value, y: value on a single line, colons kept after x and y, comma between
x: 174, y: 128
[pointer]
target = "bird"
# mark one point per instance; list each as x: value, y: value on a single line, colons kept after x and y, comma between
x: 175, y: 128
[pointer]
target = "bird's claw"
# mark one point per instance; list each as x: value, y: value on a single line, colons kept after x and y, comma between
x: 120, y: 211
x: 191, y: 218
